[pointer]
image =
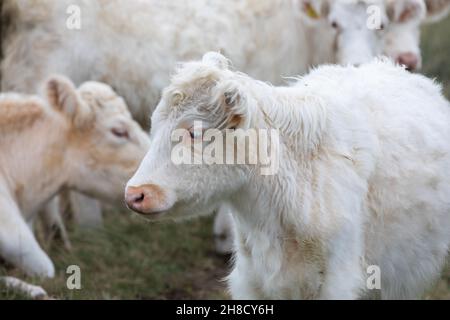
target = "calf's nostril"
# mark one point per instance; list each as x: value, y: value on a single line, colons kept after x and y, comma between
x: 139, y: 198
x: 145, y: 199
x: 134, y: 197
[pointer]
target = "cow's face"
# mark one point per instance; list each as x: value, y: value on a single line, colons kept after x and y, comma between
x: 356, y: 27
x: 402, y: 38
x: 162, y: 186
x: 359, y: 29
x: 105, y: 143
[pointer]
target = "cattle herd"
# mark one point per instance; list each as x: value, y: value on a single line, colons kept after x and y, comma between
x: 362, y: 148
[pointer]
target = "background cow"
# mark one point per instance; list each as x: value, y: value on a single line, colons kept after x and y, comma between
x: 82, y: 139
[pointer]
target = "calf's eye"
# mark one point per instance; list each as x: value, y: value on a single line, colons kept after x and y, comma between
x: 334, y: 24
x: 120, y: 132
x: 195, y: 134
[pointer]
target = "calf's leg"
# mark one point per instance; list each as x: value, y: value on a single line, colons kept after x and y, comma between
x: 18, y: 245
x: 54, y: 224
x: 87, y: 211
x: 31, y: 291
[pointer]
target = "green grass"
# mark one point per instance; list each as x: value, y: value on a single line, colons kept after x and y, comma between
x: 132, y: 259
x: 436, y: 52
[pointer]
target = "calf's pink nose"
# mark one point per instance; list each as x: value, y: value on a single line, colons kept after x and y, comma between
x: 145, y: 199
x: 409, y: 60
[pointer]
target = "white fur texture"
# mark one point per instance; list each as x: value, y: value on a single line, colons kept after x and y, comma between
x: 362, y: 180
x: 268, y: 39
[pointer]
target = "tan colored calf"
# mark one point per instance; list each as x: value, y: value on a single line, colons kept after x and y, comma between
x: 82, y: 139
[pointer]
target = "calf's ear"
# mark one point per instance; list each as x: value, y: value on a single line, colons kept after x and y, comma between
x: 437, y: 10
x: 63, y: 97
x: 405, y: 11
x: 234, y: 103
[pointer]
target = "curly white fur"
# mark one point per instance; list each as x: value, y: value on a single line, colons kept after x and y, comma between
x: 362, y: 180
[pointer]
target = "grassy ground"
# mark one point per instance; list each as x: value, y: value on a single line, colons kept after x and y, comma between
x: 436, y: 55
x: 132, y: 259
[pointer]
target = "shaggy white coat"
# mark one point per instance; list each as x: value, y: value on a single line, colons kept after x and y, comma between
x: 362, y: 181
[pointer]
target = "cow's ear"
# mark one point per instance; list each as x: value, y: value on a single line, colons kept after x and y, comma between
x: 234, y: 103
x: 406, y: 11
x: 215, y: 59
x: 437, y: 10
x: 63, y: 97
x: 312, y: 10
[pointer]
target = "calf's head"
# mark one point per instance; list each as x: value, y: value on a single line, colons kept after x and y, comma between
x: 206, y: 92
x: 104, y: 145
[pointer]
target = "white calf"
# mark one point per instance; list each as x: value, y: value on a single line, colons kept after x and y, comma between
x: 362, y: 179
x: 343, y: 23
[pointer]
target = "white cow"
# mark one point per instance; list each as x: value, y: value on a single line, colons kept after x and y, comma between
x: 362, y: 29
x: 362, y: 178
x: 355, y: 37
x: 401, y: 41
x: 82, y: 139
x: 136, y: 55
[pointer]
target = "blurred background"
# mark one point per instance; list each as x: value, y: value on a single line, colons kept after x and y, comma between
x: 128, y: 258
